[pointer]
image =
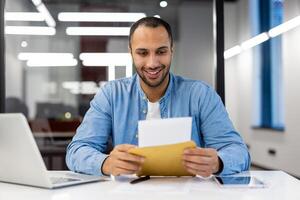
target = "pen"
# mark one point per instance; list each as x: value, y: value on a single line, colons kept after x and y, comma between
x: 141, y: 179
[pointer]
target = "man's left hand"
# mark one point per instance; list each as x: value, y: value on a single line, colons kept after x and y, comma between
x: 201, y: 161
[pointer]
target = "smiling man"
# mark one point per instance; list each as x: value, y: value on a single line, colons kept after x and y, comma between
x: 154, y: 92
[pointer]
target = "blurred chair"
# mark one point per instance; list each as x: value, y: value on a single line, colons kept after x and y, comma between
x: 15, y: 105
x: 46, y: 110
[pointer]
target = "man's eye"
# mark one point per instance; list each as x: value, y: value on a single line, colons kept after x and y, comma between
x: 142, y: 53
x: 161, y: 52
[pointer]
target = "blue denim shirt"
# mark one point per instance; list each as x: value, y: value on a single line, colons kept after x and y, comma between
x: 119, y: 105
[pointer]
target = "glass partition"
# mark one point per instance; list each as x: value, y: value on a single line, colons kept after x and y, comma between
x: 59, y: 53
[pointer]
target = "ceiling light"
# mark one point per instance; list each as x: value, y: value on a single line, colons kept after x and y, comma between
x: 280, y: 29
x: 99, y: 17
x: 84, y: 87
x: 23, y: 16
x: 29, y: 30
x: 108, y: 59
x: 157, y: 16
x: 284, y: 27
x: 24, y: 44
x: 255, y: 41
x: 36, y: 2
x: 44, y: 56
x: 48, y: 18
x: 51, y: 63
x: 103, y: 31
x: 232, y: 51
x: 105, y: 59
x: 163, y: 4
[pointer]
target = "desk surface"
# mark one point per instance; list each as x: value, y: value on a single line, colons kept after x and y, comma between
x: 281, y: 186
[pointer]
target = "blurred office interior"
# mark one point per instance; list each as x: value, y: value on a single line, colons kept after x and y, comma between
x: 59, y: 53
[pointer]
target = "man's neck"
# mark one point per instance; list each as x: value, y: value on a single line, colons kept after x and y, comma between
x: 155, y: 93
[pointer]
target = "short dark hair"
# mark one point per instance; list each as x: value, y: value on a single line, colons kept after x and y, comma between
x: 152, y: 22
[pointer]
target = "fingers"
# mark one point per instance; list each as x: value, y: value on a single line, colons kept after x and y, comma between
x: 197, y: 159
x: 201, y: 161
x: 122, y: 167
x: 124, y: 147
x: 203, y: 173
x: 129, y: 157
x: 120, y: 162
x: 128, y: 165
x: 200, y: 151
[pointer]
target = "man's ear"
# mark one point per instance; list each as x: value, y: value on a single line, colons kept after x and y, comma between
x: 129, y: 49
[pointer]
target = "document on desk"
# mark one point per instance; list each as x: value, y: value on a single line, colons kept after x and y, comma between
x: 164, y: 131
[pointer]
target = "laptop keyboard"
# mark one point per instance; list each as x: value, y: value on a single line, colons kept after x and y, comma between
x: 57, y: 180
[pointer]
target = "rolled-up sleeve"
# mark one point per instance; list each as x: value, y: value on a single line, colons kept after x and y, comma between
x: 85, y: 153
x: 219, y: 133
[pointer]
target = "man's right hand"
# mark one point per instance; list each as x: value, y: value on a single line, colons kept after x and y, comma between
x: 120, y: 161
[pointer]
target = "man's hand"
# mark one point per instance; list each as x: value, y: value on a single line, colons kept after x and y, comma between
x: 201, y: 161
x: 120, y: 161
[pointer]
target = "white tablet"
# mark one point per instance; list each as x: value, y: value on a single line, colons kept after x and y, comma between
x: 239, y: 181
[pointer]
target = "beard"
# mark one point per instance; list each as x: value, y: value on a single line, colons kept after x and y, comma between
x: 159, y: 81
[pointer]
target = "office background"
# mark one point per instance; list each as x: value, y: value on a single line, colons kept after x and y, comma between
x: 54, y: 98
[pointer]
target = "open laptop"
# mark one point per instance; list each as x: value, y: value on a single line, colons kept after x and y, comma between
x: 21, y: 161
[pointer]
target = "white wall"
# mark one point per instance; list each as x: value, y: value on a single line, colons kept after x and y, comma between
x: 194, y: 49
x: 239, y: 91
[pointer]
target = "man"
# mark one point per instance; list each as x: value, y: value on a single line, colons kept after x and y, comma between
x: 154, y: 92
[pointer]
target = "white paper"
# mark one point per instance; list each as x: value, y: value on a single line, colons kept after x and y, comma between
x: 164, y: 131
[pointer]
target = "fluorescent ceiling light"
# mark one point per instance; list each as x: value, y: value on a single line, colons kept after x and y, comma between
x: 48, y: 18
x: 84, y: 87
x: 51, y: 63
x: 157, y: 16
x: 36, y: 2
x: 255, y: 41
x: 45, y: 56
x: 105, y: 59
x: 23, y: 16
x: 29, y: 30
x: 232, y: 51
x: 99, y: 17
x: 284, y: 27
x: 104, y: 31
x: 78, y: 84
x: 280, y: 29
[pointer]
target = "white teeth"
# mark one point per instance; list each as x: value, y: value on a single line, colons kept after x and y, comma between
x: 153, y: 73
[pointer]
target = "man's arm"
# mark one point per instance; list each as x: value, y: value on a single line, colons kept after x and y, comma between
x: 85, y: 152
x: 223, y: 145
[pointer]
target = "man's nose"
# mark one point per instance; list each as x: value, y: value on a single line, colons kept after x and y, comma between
x: 153, y: 61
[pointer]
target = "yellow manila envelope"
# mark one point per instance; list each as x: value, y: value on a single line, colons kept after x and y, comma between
x: 164, y: 160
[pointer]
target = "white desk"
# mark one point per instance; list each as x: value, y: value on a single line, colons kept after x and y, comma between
x: 281, y: 187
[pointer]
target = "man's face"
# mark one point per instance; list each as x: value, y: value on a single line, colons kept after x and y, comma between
x: 152, y: 54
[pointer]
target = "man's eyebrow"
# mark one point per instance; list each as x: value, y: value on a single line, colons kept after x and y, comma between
x: 163, y: 47
x: 141, y: 49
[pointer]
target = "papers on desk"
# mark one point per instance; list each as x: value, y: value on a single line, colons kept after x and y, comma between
x: 164, y: 131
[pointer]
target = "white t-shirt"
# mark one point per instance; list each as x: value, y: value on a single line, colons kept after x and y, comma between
x: 153, y: 111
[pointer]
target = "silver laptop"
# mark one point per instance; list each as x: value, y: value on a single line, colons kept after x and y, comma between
x: 21, y: 161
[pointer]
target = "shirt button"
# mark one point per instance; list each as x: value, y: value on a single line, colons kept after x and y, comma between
x: 144, y: 111
x: 137, y: 135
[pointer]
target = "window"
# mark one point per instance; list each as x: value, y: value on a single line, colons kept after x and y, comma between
x: 268, y: 98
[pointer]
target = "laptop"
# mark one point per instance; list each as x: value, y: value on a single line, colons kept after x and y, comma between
x: 21, y: 161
